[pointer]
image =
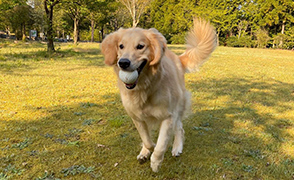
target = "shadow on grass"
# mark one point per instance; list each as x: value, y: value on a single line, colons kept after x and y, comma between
x: 101, y: 135
x: 25, y: 60
x: 243, y: 132
x: 86, y: 134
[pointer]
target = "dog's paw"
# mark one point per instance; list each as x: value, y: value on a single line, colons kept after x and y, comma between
x: 176, y: 152
x: 144, y: 155
x: 155, y: 166
x: 142, y: 158
x: 155, y: 163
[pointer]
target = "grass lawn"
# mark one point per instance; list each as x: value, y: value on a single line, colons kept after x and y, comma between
x: 61, y: 117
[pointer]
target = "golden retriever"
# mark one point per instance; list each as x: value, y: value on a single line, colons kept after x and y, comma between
x: 158, y: 95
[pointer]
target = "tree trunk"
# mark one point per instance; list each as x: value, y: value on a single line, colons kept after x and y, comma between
x: 102, y: 33
x: 76, y: 30
x: 7, y: 31
x: 93, y: 30
x: 239, y: 33
x: 50, y: 44
x: 282, y: 32
x: 49, y: 14
x: 283, y: 27
x: 24, y: 33
x: 134, y: 14
x: 135, y: 23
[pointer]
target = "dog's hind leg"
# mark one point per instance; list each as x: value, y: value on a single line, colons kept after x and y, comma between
x: 179, y: 139
x: 178, y: 128
x: 148, y: 144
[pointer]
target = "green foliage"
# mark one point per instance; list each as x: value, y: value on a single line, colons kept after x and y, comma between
x: 240, y: 17
x: 23, y: 144
x: 89, y: 122
x: 85, y: 35
x: 47, y: 176
x: 11, y: 169
x: 20, y: 17
x: 76, y: 169
x: 243, y: 41
x: 262, y: 38
x: 3, y: 176
x: 173, y: 18
x: 178, y: 38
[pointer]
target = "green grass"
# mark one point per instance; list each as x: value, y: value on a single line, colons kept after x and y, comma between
x: 61, y: 117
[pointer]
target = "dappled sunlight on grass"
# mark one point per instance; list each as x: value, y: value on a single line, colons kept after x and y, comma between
x: 61, y: 117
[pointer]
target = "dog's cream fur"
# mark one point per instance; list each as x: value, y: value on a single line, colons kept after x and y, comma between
x: 159, y: 96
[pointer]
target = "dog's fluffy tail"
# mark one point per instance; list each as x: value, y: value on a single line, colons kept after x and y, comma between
x: 201, y: 42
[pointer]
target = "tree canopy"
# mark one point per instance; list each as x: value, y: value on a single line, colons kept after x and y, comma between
x: 239, y: 23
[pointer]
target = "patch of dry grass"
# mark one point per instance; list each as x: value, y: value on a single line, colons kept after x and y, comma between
x: 61, y: 117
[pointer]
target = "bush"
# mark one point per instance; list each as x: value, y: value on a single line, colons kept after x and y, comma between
x: 283, y: 41
x: 222, y: 41
x: 289, y: 43
x: 85, y: 35
x: 178, y: 38
x: 278, y: 41
x: 244, y: 41
x: 262, y: 38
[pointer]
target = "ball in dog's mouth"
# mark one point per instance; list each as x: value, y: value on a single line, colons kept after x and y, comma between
x: 131, y: 78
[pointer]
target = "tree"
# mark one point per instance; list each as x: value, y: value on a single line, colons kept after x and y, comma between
x: 20, y: 16
x: 135, y: 8
x: 38, y: 15
x: 173, y: 18
x: 95, y: 14
x: 274, y: 15
x: 76, y: 10
x: 6, y: 7
x: 49, y: 6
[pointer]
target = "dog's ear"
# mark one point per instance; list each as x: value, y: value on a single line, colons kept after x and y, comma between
x: 109, y: 47
x: 158, y: 45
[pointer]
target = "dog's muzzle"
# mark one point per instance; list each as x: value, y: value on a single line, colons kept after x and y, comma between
x: 124, y: 64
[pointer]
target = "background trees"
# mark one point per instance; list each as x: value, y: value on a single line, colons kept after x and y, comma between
x: 135, y: 9
x: 240, y: 23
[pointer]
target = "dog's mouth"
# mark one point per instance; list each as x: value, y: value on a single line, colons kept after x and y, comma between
x: 139, y: 69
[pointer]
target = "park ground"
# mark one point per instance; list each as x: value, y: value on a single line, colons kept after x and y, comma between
x: 61, y: 117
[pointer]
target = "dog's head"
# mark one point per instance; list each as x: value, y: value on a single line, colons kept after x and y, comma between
x: 134, y: 49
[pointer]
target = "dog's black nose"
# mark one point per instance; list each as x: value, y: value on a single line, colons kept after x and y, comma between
x: 124, y: 63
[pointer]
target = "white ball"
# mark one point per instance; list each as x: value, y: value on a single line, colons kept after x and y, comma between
x: 128, y: 77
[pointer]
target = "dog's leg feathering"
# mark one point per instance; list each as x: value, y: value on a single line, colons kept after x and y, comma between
x: 161, y: 146
x: 179, y: 140
x: 148, y: 144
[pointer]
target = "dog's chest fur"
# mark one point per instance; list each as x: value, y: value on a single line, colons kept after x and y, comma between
x: 141, y: 106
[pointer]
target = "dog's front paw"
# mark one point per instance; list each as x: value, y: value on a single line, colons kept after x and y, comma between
x: 155, y: 163
x: 155, y: 166
x: 144, y: 155
x: 142, y: 159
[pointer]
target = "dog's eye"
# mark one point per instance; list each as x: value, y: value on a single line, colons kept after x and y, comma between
x: 140, y: 46
x: 121, y: 46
